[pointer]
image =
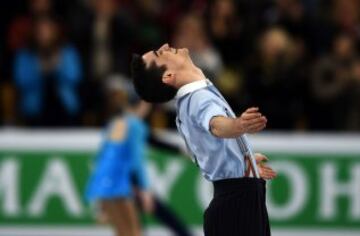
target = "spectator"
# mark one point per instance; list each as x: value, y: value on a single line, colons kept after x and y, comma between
x: 303, y: 27
x: 18, y: 32
x: 46, y: 74
x: 7, y: 104
x: 330, y: 86
x: 226, y: 30
x: 190, y: 33
x: 151, y: 28
x: 233, y: 40
x: 20, y: 29
x: 106, y: 32
x: 273, y: 81
x: 104, y: 38
x: 346, y: 16
x: 353, y: 121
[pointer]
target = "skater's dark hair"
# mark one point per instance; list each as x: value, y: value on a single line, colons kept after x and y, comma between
x: 148, y: 81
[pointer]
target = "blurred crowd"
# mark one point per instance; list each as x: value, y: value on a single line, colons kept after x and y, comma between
x: 297, y: 60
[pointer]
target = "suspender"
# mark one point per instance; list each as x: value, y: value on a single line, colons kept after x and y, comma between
x: 241, y: 141
x: 245, y: 150
x: 243, y: 144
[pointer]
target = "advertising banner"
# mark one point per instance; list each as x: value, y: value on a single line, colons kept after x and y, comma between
x: 43, y: 176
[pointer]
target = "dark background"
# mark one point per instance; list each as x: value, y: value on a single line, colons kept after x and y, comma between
x: 296, y: 60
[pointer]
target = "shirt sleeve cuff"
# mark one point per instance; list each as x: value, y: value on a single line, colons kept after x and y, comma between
x: 205, y: 122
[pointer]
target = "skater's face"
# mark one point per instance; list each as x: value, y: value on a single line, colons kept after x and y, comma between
x: 172, y: 58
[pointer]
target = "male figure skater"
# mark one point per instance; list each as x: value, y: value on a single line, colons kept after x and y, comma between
x: 214, y: 136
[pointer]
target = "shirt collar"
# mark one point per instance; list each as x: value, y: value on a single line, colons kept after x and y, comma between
x: 191, y: 87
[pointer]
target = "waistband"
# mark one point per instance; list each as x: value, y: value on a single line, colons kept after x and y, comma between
x: 244, y: 184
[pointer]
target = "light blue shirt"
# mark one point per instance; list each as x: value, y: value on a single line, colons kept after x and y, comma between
x: 218, y: 158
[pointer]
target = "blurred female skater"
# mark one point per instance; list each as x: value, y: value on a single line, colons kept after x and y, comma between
x: 119, y: 160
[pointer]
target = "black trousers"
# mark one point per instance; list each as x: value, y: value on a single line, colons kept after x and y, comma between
x: 237, y: 209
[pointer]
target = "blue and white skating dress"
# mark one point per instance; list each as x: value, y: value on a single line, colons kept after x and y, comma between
x: 121, y: 158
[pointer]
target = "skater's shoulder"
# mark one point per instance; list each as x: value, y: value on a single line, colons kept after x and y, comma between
x: 118, y: 129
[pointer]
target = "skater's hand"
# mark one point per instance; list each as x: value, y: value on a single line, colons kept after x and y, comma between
x: 265, y: 171
x: 250, y: 121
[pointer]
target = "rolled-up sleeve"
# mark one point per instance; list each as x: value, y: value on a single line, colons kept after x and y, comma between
x: 204, y: 106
